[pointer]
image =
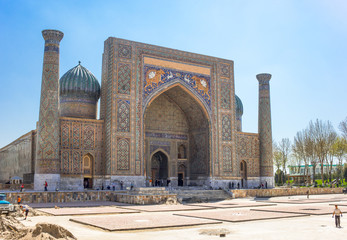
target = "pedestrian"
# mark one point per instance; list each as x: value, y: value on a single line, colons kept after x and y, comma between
x: 266, y: 184
x: 19, y: 200
x: 337, y: 213
x: 46, y: 185
x: 22, y: 187
x: 308, y: 193
x: 25, y: 209
x: 121, y: 185
x: 131, y: 186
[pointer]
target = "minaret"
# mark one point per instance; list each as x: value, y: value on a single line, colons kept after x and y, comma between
x: 264, y: 129
x: 47, y: 165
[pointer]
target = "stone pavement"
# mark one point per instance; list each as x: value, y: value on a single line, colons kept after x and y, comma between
x: 85, y: 211
x: 76, y: 204
x: 314, y: 209
x: 233, y: 204
x: 166, y: 208
x: 140, y: 221
x: 241, y: 215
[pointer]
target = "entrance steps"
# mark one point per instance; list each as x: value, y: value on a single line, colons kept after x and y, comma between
x: 200, y: 195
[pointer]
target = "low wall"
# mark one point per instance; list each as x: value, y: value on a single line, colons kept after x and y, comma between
x: 48, y: 197
x: 145, y: 199
x: 277, y: 192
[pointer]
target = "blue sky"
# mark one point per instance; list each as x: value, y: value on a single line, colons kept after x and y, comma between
x: 302, y: 43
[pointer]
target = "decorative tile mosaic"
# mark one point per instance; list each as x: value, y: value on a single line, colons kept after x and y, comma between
x: 124, y: 51
x: 225, y: 98
x: 226, y: 128
x: 154, y: 77
x: 123, y: 154
x: 124, y: 78
x: 123, y: 115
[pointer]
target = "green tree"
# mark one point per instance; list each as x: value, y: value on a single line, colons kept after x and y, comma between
x: 339, y: 150
x: 285, y: 149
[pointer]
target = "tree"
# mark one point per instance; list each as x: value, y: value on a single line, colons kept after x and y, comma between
x: 343, y: 128
x: 299, y: 151
x: 310, y: 149
x: 285, y: 149
x: 277, y: 159
x: 323, y: 135
x: 339, y: 150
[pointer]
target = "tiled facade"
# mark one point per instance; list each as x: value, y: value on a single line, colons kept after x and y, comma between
x: 159, y: 108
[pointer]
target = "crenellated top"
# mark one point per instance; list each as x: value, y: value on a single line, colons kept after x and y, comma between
x: 79, y: 82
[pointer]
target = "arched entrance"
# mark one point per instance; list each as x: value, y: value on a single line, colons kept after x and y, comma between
x: 88, y: 171
x: 175, y: 120
x: 243, y: 171
x: 181, y: 175
x: 159, y: 169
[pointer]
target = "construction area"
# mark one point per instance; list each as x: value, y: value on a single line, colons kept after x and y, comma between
x: 296, y: 217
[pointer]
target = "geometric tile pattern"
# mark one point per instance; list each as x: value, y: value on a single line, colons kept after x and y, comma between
x: 123, y: 154
x: 88, y: 136
x: 247, y: 149
x: 123, y: 116
x: 227, y: 159
x: 224, y: 70
x: 124, y: 78
x: 225, y: 99
x: 226, y: 128
x: 84, y: 137
x: 124, y: 51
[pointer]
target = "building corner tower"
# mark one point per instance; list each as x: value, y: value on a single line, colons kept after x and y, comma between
x: 47, y: 165
x: 264, y: 130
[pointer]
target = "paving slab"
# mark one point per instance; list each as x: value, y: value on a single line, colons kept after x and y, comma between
x: 76, y: 204
x: 141, y: 222
x: 241, y: 215
x: 233, y: 204
x: 85, y: 211
x: 317, y: 209
x: 298, y: 201
x: 165, y: 208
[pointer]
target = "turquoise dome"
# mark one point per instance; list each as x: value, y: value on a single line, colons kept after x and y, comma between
x: 79, y: 82
x: 239, y: 106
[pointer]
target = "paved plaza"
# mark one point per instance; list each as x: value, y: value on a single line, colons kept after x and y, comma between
x: 313, y: 209
x: 140, y: 222
x: 240, y: 215
x: 85, y: 211
x: 299, y: 221
x: 233, y: 204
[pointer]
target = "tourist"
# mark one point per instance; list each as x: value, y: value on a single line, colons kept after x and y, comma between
x: 308, y: 193
x: 25, y: 209
x: 22, y: 187
x: 131, y: 186
x: 19, y: 200
x: 121, y: 185
x: 46, y: 185
x: 337, y: 213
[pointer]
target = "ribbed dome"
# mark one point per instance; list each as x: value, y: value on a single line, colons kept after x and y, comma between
x: 79, y: 81
x: 239, y: 106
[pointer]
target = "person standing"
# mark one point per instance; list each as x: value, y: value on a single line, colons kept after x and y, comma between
x: 19, y: 200
x: 46, y: 185
x: 22, y: 187
x: 337, y: 213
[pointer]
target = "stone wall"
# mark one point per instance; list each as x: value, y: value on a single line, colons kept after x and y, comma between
x: 47, y: 197
x: 17, y: 158
x: 276, y: 192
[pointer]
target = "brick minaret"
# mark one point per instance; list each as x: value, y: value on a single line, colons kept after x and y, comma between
x: 264, y: 129
x: 47, y: 165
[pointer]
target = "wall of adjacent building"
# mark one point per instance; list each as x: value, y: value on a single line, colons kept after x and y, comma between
x: 17, y: 158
